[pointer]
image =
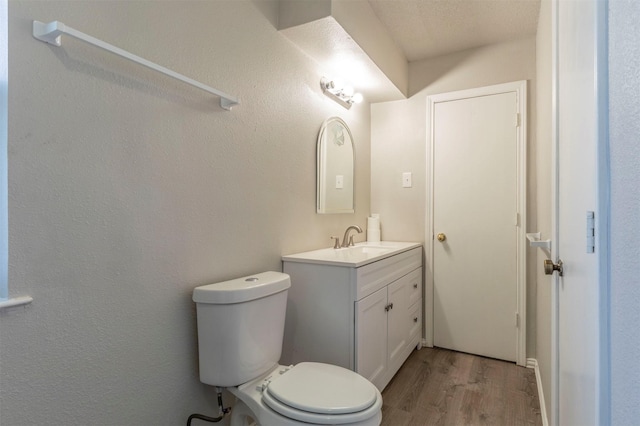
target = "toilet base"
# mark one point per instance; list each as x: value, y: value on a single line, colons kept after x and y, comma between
x: 241, y: 415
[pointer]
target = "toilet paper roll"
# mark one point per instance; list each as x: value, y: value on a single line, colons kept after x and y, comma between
x: 373, y: 223
x: 373, y: 235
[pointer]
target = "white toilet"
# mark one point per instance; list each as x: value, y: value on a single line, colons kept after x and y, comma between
x: 240, y: 331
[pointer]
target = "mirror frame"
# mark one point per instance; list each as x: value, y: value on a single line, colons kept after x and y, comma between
x: 321, y: 207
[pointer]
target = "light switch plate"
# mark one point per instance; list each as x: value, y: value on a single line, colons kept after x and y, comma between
x: 406, y: 180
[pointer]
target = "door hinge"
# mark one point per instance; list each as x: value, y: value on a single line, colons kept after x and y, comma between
x: 517, y: 119
x: 517, y: 320
x: 591, y: 232
x: 517, y: 221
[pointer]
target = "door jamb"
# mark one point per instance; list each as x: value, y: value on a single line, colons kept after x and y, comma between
x: 520, y: 87
x: 555, y: 72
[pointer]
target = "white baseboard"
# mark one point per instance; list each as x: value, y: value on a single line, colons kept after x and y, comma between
x: 533, y: 363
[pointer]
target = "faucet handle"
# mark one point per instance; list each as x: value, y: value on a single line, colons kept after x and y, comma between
x: 337, y: 243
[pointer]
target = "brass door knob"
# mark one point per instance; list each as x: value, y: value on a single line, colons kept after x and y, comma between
x: 550, y: 267
x: 441, y: 237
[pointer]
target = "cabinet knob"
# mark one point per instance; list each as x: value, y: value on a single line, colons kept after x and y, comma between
x: 415, y: 319
x: 415, y: 285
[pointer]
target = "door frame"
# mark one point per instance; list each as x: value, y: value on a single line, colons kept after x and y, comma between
x: 520, y: 87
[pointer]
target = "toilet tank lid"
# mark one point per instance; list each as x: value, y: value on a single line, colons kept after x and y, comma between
x: 242, y: 289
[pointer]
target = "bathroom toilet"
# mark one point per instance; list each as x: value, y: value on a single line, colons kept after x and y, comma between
x: 240, y: 332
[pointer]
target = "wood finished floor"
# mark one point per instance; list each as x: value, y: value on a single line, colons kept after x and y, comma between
x: 441, y: 387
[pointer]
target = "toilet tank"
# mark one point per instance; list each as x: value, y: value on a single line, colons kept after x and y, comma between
x: 240, y: 327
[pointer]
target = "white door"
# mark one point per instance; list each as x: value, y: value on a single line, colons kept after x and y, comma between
x: 476, y: 217
x: 576, y: 375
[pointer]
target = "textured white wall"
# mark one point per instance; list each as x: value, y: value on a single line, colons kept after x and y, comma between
x: 128, y: 189
x: 399, y: 138
x: 624, y: 110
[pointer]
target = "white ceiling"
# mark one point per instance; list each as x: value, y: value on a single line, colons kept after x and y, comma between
x: 428, y: 28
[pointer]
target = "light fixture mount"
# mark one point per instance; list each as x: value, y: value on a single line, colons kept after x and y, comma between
x: 342, y: 95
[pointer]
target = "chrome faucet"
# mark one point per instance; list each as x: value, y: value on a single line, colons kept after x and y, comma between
x: 347, y: 240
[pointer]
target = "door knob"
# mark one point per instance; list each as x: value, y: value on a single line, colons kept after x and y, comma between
x: 549, y: 267
x: 441, y: 237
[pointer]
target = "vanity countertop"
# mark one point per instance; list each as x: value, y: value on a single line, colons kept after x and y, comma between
x: 355, y: 256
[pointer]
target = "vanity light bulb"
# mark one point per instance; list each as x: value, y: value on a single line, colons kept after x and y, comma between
x: 337, y: 84
x: 357, y: 98
x: 347, y: 91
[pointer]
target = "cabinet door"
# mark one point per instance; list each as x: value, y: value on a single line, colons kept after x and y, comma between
x: 397, y: 327
x: 371, y: 336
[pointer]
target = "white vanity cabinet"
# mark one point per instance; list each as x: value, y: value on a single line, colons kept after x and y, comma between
x: 396, y: 308
x: 365, y: 316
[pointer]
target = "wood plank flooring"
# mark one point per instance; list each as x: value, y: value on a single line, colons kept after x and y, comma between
x: 442, y: 387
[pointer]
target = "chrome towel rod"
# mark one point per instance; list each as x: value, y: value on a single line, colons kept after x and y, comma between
x: 52, y: 32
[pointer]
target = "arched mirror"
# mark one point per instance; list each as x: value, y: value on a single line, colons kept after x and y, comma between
x: 335, y: 168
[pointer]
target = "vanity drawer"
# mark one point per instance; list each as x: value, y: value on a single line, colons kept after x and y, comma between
x: 415, y: 321
x: 374, y: 276
x: 414, y: 286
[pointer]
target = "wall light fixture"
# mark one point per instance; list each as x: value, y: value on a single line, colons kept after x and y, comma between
x: 343, y: 95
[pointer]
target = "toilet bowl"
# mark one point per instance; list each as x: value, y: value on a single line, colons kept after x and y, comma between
x: 307, y: 394
x: 240, y: 332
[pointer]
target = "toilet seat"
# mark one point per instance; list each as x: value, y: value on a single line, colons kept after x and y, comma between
x: 322, y: 394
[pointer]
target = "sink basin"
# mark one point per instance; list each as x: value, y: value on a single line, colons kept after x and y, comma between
x: 369, y: 249
x: 354, y: 256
